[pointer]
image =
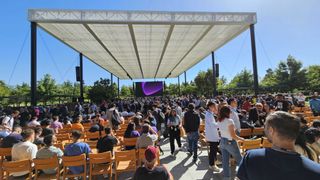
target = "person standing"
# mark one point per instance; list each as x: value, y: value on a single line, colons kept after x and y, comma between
x: 281, y: 161
x: 191, y: 123
x: 234, y: 114
x: 174, y: 125
x: 228, y: 142
x: 212, y: 135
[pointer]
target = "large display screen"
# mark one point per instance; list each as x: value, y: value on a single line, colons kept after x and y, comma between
x: 144, y: 89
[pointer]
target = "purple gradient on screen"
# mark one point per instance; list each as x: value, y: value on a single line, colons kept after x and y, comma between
x: 150, y: 88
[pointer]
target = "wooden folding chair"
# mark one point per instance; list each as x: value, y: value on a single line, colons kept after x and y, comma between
x: 266, y: 143
x: 141, y: 156
x: 127, y: 142
x: 65, y: 130
x: 120, y: 133
x: 17, y: 166
x: 100, y: 164
x: 63, y: 137
x: 250, y: 144
x: 4, y: 153
x: 125, y: 162
x: 69, y: 161
x: 91, y: 136
x: 59, y: 145
x: 247, y: 133
x: 123, y: 126
x: 258, y: 131
x: 47, y: 163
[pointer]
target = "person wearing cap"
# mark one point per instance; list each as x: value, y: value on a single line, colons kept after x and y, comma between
x: 150, y: 170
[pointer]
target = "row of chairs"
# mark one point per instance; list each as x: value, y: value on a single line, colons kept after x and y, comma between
x: 254, y: 144
x: 250, y: 132
x: 101, y: 163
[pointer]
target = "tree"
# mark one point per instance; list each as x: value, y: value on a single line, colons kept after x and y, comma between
x: 269, y: 80
x: 4, y: 89
x: 313, y: 76
x: 204, y: 82
x: 244, y: 79
x: 102, y: 90
x: 126, y: 91
x: 46, y: 88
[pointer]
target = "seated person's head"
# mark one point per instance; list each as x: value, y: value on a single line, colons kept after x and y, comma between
x: 312, y: 135
x: 76, y: 135
x: 107, y: 130
x: 49, y: 140
x: 28, y: 135
x: 316, y: 124
x: 55, y: 118
x: 150, y: 156
x: 46, y: 123
x: 38, y: 131
x: 282, y: 127
x: 145, y: 128
x: 17, y: 129
x: 78, y: 119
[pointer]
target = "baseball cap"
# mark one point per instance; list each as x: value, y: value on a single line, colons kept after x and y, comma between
x: 150, y: 153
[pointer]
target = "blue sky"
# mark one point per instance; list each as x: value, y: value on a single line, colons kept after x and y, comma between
x: 284, y: 27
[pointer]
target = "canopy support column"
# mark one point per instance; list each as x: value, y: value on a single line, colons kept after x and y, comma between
x: 118, y: 87
x: 254, y: 61
x: 214, y: 80
x: 185, y: 78
x: 81, y: 76
x: 179, y: 85
x: 111, y: 79
x: 33, y: 62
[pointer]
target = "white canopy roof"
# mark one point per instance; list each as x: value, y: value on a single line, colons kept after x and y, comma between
x: 143, y: 44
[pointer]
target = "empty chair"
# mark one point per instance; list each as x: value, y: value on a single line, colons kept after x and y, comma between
x: 100, y: 163
x: 92, y: 136
x: 129, y: 143
x: 63, y: 137
x: 4, y: 154
x: 45, y: 165
x: 74, y: 162
x: 125, y: 162
x: 17, y: 167
x: 266, y: 143
x: 258, y: 131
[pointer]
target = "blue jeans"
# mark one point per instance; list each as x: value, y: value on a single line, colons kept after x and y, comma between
x: 193, y: 138
x: 229, y: 148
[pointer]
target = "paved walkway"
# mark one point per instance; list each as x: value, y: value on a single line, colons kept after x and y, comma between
x: 181, y: 165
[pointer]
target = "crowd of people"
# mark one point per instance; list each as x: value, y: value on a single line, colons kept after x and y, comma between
x: 31, y: 132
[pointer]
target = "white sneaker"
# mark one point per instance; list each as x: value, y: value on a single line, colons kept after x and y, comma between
x: 217, y: 162
x: 215, y: 168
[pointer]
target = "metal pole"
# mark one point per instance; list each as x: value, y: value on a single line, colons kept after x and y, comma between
x: 185, y: 78
x: 214, y: 81
x: 118, y: 88
x: 33, y: 63
x: 81, y: 77
x: 254, y: 61
x: 179, y: 85
x: 133, y: 89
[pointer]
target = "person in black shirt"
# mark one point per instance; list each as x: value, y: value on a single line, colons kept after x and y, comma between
x: 46, y: 130
x: 149, y: 170
x: 281, y: 161
x: 107, y: 143
x: 281, y: 104
x: 191, y: 123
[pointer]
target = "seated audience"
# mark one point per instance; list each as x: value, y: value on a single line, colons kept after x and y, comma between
x: 49, y: 151
x: 131, y: 133
x: 38, y: 139
x: 313, y: 140
x: 76, y: 148
x: 147, y: 138
x: 107, y: 142
x: 281, y: 161
x: 56, y: 125
x: 12, y: 138
x: 76, y: 125
x: 301, y: 146
x: 34, y: 122
x: 150, y: 170
x: 24, y: 150
x: 46, y: 130
x: 316, y: 124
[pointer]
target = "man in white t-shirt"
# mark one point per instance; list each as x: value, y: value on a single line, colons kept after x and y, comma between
x: 24, y: 150
x: 7, y: 124
x: 234, y: 114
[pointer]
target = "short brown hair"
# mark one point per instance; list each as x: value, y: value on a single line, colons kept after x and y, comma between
x: 224, y: 112
x: 27, y: 133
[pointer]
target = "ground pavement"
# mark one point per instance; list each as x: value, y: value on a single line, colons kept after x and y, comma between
x: 182, y: 167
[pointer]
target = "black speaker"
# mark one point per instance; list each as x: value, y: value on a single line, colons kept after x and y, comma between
x: 217, y: 70
x: 78, y: 73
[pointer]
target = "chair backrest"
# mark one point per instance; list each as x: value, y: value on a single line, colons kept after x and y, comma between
x: 123, y: 126
x: 130, y: 141
x: 63, y: 137
x: 120, y: 132
x: 16, y: 166
x: 64, y: 130
x: 5, y: 152
x: 100, y: 158
x: 125, y: 156
x: 74, y: 160
x: 92, y: 135
x: 59, y: 145
x: 246, y: 132
x: 266, y: 143
x: 46, y: 163
x: 251, y: 144
x: 258, y: 131
x: 201, y: 128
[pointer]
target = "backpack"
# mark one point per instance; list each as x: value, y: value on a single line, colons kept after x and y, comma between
x: 115, y: 119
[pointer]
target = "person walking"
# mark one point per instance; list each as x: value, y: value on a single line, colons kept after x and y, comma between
x: 212, y: 136
x: 228, y: 142
x: 174, y: 125
x: 191, y: 123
